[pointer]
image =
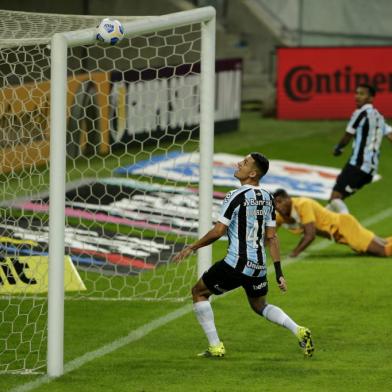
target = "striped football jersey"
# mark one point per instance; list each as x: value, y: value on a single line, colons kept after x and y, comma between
x: 368, y: 127
x: 247, y: 211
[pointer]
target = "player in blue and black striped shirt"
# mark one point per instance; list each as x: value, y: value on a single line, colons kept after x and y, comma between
x: 368, y: 127
x: 248, y: 218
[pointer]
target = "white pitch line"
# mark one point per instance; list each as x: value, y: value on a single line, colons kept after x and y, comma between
x: 109, y: 348
x: 145, y: 329
x: 377, y: 218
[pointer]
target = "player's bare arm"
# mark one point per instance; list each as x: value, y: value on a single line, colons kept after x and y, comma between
x: 306, y: 240
x: 273, y: 245
x: 218, y: 231
x: 389, y: 136
x: 338, y: 149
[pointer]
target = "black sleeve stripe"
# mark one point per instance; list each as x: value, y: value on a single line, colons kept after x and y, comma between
x: 365, y: 134
x: 234, y: 204
x: 359, y: 118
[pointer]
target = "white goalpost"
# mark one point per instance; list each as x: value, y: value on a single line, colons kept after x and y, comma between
x: 59, y: 45
x: 77, y: 116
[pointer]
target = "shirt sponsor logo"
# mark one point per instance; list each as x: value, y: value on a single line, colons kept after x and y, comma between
x: 255, y: 213
x: 254, y: 266
x: 255, y: 202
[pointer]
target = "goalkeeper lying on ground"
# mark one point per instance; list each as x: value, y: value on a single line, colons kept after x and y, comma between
x: 302, y: 215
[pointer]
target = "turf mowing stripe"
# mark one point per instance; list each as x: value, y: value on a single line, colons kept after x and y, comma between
x: 145, y: 329
x: 133, y: 336
x: 116, y: 344
x: 378, y: 217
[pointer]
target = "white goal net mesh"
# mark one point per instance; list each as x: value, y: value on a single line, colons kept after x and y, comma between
x: 128, y: 106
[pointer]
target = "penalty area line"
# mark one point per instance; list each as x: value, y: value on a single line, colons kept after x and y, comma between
x: 145, y: 329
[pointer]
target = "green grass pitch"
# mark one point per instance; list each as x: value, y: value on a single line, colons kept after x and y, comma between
x: 344, y: 298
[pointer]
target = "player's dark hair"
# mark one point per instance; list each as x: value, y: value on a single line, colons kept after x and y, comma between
x: 372, y: 90
x: 281, y: 193
x: 261, y: 162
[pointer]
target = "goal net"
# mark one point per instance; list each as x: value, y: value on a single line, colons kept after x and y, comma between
x: 76, y: 133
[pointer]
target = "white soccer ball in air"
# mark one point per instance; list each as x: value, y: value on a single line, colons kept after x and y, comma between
x: 110, y: 31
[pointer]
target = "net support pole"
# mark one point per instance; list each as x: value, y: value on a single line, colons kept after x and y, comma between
x: 58, y: 95
x: 207, y: 111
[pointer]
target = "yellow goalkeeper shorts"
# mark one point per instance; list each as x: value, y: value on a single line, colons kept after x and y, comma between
x: 353, y: 234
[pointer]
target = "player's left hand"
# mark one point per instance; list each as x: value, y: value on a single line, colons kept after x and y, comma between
x: 337, y: 150
x: 282, y: 284
x: 182, y: 255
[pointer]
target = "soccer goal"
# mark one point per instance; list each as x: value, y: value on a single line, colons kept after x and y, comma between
x: 81, y: 122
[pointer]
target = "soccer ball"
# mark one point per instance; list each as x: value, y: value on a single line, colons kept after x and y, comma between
x: 110, y: 31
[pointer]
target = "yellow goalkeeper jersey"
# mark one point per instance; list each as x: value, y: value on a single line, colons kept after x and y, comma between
x: 343, y: 228
x: 305, y: 210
